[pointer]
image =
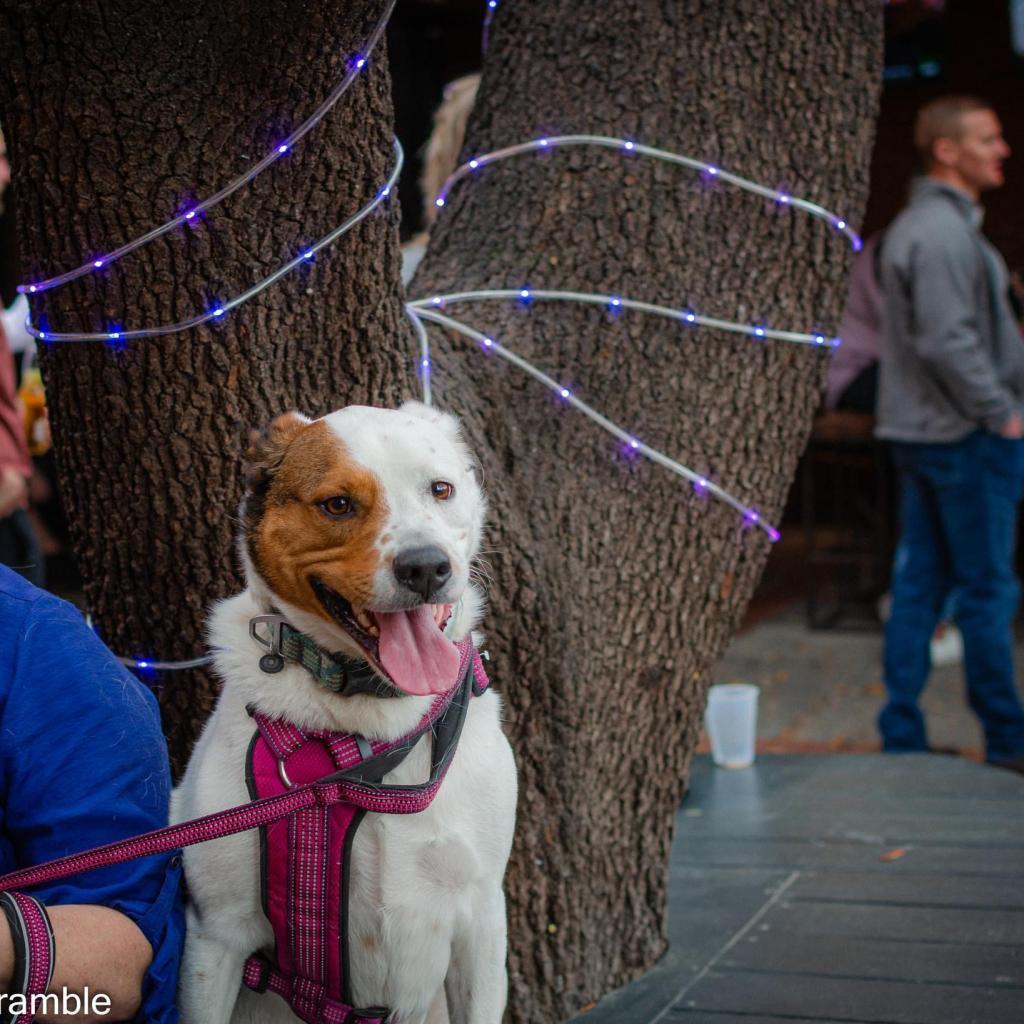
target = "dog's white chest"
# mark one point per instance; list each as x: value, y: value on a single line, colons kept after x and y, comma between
x: 416, y: 880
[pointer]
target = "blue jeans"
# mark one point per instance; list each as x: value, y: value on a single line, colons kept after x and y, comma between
x: 959, y: 525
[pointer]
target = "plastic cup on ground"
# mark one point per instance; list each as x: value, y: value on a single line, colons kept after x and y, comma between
x: 731, y: 722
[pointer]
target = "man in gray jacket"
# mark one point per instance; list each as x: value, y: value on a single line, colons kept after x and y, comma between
x: 950, y: 401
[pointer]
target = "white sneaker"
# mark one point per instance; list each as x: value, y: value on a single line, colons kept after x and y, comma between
x: 947, y: 646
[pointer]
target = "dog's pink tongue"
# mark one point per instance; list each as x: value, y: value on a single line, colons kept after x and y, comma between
x: 415, y: 653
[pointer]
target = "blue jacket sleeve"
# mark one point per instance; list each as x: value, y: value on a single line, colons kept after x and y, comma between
x: 83, y: 762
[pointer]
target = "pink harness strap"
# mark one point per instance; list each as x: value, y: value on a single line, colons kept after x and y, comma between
x: 305, y: 859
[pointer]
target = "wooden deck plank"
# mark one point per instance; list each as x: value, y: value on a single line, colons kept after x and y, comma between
x: 852, y: 999
x: 687, y: 1016
x: 902, y: 923
x: 844, y: 855
x: 796, y: 953
x: 909, y: 890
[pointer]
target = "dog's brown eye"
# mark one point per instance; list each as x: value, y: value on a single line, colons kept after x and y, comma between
x: 338, y: 507
x: 442, y: 490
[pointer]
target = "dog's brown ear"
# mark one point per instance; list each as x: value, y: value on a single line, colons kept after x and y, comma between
x: 266, y: 449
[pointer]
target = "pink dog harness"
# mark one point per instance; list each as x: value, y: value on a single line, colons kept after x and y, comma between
x: 305, y: 859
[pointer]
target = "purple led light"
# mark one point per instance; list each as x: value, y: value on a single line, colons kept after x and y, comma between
x: 836, y: 342
x: 542, y: 142
x: 524, y: 294
x: 360, y: 63
x: 840, y: 225
x: 819, y: 339
x: 97, y: 263
x: 142, y: 664
x: 689, y: 316
x: 492, y: 4
x: 783, y: 198
x: 437, y: 301
x: 308, y: 254
x: 283, y: 148
x: 628, y: 145
x: 114, y: 335
x: 758, y: 332
x: 219, y: 311
x: 190, y: 214
x: 712, y: 169
x: 42, y: 335
x: 700, y: 485
x: 439, y: 201
x: 751, y: 517
x: 564, y: 392
x: 634, y: 443
x: 773, y: 534
x: 32, y: 288
x: 425, y: 363
x: 488, y: 342
x: 615, y: 303
x: 385, y: 192
x: 857, y: 244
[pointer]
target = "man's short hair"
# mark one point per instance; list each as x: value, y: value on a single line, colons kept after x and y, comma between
x: 942, y: 119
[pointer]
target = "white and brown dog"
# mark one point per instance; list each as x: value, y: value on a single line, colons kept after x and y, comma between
x: 360, y: 529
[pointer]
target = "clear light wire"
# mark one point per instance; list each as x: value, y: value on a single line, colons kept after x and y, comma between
x: 485, y: 35
x: 701, y: 484
x: 355, y: 65
x: 615, y: 303
x: 146, y: 664
x: 306, y: 254
x: 628, y: 146
x: 424, y: 340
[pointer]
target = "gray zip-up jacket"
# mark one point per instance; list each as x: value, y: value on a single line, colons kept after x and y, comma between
x: 952, y: 358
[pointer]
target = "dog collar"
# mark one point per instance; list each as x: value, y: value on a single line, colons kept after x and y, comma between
x: 344, y: 676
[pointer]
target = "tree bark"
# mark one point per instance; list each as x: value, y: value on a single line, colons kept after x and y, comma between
x: 118, y: 116
x: 615, y: 588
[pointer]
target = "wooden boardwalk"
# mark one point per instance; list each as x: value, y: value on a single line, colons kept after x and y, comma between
x: 862, y: 889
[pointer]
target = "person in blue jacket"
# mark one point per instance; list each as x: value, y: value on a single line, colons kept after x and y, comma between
x: 83, y: 762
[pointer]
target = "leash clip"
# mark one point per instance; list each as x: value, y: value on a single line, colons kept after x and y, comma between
x: 273, y: 660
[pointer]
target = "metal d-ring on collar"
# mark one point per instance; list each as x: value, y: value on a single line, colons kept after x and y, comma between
x: 273, y: 660
x: 345, y: 676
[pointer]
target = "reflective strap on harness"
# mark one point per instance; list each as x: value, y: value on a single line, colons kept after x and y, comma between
x: 261, y: 976
x: 305, y: 860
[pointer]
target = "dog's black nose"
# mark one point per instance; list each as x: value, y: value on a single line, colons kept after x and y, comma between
x: 423, y: 570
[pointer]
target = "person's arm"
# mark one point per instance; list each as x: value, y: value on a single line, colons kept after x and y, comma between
x: 82, y: 763
x: 947, y: 332
x: 95, y: 947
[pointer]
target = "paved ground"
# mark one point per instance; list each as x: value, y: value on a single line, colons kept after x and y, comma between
x: 822, y: 690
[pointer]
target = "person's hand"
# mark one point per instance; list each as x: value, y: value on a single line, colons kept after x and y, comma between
x: 13, y: 490
x: 1013, y: 427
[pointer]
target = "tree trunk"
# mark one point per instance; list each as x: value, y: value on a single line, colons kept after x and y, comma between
x: 119, y: 115
x: 615, y: 589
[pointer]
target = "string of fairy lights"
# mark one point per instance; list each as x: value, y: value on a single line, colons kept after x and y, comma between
x: 434, y: 310
x: 191, y: 214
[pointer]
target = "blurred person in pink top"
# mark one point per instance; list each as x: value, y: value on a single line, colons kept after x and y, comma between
x: 18, y: 545
x: 852, y: 381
